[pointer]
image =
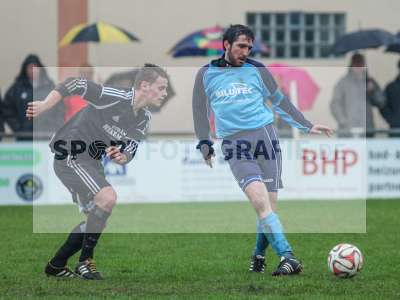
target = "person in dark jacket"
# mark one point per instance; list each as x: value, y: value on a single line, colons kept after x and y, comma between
x: 31, y: 83
x: 1, y: 118
x: 391, y: 111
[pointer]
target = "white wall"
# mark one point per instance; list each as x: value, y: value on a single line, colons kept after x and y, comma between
x: 31, y: 26
x: 26, y: 26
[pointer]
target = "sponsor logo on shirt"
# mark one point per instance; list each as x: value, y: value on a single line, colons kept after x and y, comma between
x: 114, y: 131
x: 234, y: 90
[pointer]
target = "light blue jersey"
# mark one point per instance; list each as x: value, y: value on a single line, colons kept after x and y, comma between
x: 237, y: 97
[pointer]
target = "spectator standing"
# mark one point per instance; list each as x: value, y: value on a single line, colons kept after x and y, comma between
x: 32, y: 83
x: 391, y: 111
x: 354, y: 97
x: 1, y: 118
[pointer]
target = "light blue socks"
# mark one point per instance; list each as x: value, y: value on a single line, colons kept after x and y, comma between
x: 272, y: 228
x: 261, y: 241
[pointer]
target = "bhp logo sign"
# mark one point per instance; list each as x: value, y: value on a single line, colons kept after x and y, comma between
x: 323, y: 162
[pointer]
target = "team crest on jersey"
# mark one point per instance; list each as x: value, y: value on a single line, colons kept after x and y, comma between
x: 115, y: 118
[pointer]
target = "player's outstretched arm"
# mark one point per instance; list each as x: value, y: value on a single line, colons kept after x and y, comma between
x: 71, y: 86
x: 281, y: 104
x: 320, y: 129
x: 295, y: 118
x: 36, y: 108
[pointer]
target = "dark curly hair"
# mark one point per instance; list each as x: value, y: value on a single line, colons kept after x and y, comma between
x: 234, y: 31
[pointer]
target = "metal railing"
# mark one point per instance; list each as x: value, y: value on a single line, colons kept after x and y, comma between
x: 283, y: 133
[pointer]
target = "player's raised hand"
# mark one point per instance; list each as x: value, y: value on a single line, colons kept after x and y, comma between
x: 34, y: 109
x: 319, y: 129
x: 115, y: 155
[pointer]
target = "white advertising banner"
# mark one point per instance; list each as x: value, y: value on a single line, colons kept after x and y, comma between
x: 19, y: 184
x: 324, y: 169
x: 383, y: 168
x: 172, y: 170
x: 175, y: 171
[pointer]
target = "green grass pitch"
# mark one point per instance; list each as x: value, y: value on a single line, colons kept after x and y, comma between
x: 200, y: 266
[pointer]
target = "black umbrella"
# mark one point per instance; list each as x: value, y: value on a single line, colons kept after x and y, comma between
x: 395, y: 47
x: 125, y: 80
x: 362, y: 39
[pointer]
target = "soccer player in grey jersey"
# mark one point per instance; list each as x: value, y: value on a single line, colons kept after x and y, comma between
x: 113, y: 125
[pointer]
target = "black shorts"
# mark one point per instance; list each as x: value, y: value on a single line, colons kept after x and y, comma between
x: 83, y: 179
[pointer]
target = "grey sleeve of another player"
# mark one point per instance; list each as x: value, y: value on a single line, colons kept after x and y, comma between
x: 100, y: 97
x: 130, y: 149
x: 199, y: 107
x: 282, y: 105
x: 88, y: 90
x: 136, y: 134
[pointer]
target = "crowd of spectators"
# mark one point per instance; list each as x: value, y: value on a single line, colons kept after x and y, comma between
x: 354, y: 97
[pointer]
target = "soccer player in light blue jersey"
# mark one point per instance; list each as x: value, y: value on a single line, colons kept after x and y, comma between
x: 236, y: 89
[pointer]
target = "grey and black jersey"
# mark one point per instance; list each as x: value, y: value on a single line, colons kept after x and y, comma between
x: 108, y: 120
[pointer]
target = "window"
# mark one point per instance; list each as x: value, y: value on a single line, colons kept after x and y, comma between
x: 297, y: 34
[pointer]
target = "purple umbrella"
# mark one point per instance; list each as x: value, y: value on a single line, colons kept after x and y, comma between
x: 207, y: 42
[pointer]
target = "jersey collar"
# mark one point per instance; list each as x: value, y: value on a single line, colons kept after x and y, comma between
x: 222, y: 62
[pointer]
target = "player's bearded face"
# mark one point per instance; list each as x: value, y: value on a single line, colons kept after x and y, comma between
x: 239, y: 50
x: 157, y: 91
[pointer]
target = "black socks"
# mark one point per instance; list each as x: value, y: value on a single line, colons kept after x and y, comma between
x: 72, y: 245
x: 96, y: 222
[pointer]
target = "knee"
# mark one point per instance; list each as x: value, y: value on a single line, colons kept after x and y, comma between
x: 106, y: 198
x: 110, y: 197
x: 256, y: 192
x: 258, y: 196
